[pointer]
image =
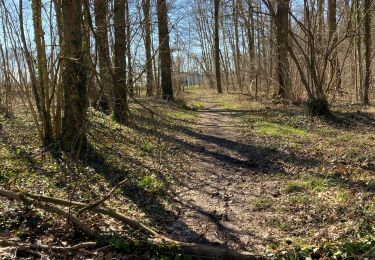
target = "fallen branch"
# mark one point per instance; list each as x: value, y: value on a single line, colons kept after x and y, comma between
x: 159, y: 241
x: 22, y: 246
x: 97, y: 203
x: 186, y: 248
x: 51, y: 209
x: 203, y: 250
x: 102, y: 210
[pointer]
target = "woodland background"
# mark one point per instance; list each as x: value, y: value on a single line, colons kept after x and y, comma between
x: 258, y: 111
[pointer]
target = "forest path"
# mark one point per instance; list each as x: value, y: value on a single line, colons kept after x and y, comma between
x: 216, y: 194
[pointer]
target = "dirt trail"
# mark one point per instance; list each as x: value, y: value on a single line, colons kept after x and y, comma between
x: 258, y: 178
x: 217, y: 193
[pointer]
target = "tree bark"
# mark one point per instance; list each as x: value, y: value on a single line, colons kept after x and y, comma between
x: 217, y: 46
x: 250, y: 38
x: 282, y: 31
x: 368, y: 42
x: 120, y: 108
x: 237, y: 52
x: 102, y: 46
x: 320, y: 22
x: 57, y: 117
x: 336, y: 72
x: 73, y: 137
x: 147, y: 39
x: 359, y: 19
x: 128, y: 50
x: 42, y: 81
x: 164, y: 50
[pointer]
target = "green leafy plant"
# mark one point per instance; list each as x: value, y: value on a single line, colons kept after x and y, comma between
x: 295, y: 187
x: 262, y: 204
x: 152, y: 184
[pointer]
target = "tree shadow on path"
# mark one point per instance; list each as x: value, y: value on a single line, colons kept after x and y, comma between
x: 258, y: 159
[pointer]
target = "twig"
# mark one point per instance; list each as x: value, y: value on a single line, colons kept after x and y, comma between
x: 158, y: 240
x: 102, y: 210
x: 49, y: 208
x: 27, y: 247
x: 98, y: 202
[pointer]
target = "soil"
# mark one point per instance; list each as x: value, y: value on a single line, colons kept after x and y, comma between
x: 228, y: 171
x: 233, y: 192
x: 227, y: 174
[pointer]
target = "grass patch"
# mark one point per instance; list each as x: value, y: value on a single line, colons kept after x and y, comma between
x: 299, y: 199
x: 185, y: 115
x: 362, y: 247
x: 228, y: 105
x: 273, y: 129
x: 314, y: 183
x: 147, y: 145
x: 152, y: 184
x: 197, y: 105
x: 317, y: 184
x: 295, y: 186
x: 342, y: 196
x: 279, y: 224
x: 262, y: 204
x: 343, y: 138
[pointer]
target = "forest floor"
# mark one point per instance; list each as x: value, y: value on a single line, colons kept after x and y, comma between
x: 223, y: 170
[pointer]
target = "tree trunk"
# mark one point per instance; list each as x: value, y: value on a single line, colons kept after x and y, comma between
x: 237, y: 52
x: 92, y: 92
x: 59, y: 90
x: 42, y: 82
x: 217, y: 46
x: 359, y: 46
x: 282, y: 31
x: 320, y: 22
x: 164, y: 50
x: 250, y: 31
x: 367, y: 40
x: 120, y: 107
x: 101, y: 13
x: 251, y: 38
x: 147, y: 39
x: 73, y: 137
x: 128, y: 50
x: 336, y: 72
